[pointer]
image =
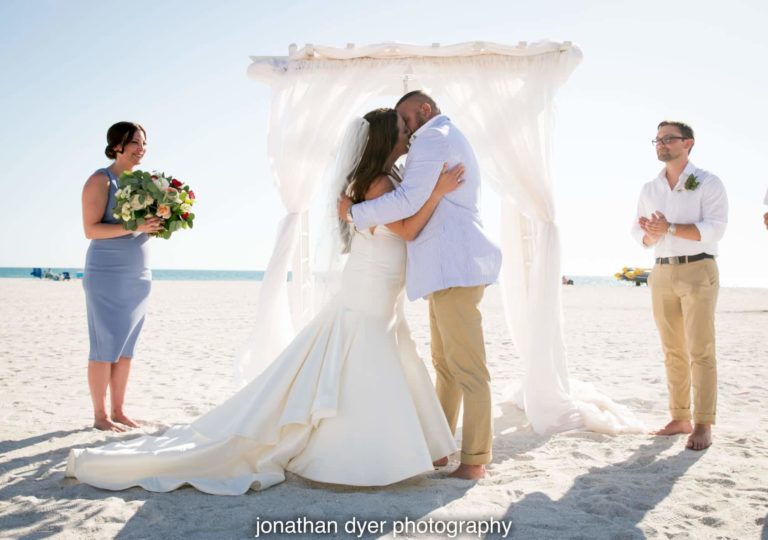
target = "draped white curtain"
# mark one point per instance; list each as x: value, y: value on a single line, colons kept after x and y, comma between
x: 312, y: 104
x: 504, y: 103
x: 508, y: 118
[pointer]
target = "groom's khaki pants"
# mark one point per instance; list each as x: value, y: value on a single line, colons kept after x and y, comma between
x: 458, y: 354
x: 684, y: 298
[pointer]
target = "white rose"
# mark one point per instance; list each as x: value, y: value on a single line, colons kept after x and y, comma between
x: 161, y: 183
x: 136, y: 203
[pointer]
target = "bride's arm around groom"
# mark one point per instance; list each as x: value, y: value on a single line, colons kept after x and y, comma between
x: 426, y: 157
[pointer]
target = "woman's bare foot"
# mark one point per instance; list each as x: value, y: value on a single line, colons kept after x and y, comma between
x: 123, y: 419
x: 469, y: 472
x: 105, y: 424
x: 442, y: 462
x: 675, y: 427
x: 701, y: 438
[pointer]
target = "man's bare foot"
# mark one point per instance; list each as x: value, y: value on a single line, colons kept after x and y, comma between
x: 701, y: 438
x: 675, y: 427
x: 469, y: 472
x: 442, y: 462
x: 105, y: 424
x: 123, y: 419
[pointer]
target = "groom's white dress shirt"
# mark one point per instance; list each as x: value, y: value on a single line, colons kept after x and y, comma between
x: 706, y: 206
x: 452, y: 249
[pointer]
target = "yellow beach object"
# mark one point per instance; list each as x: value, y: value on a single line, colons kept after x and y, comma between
x: 636, y: 274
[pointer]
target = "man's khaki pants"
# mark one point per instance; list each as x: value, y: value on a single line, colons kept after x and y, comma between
x: 684, y: 298
x: 458, y: 354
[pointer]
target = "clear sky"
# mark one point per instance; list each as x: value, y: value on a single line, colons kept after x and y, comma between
x: 70, y: 69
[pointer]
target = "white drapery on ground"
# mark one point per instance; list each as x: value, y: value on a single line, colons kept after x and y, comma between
x: 502, y: 98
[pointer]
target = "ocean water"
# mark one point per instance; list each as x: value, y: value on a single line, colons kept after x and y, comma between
x: 251, y: 275
x: 160, y: 275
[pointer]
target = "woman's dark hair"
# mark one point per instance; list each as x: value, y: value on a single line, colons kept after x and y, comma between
x: 119, y: 135
x: 382, y: 138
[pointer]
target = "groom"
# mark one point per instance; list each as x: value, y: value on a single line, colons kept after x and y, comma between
x: 450, y: 263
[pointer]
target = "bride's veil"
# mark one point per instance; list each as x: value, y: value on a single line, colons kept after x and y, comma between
x: 333, y: 240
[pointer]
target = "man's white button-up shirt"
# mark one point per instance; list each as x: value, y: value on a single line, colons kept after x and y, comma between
x: 706, y: 206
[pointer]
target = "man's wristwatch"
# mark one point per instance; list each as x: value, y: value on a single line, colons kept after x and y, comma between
x: 672, y: 229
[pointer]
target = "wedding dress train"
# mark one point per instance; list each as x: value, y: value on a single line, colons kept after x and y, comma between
x: 347, y: 402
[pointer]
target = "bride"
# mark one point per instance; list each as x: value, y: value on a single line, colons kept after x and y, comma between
x: 347, y: 402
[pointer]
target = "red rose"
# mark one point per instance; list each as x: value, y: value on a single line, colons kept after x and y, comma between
x: 191, y: 194
x: 154, y: 177
x: 175, y: 183
x: 185, y: 215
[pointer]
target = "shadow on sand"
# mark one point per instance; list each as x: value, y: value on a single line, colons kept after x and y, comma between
x: 46, y: 504
x: 597, y: 501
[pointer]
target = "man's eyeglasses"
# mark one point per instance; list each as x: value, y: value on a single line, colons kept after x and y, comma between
x: 667, y: 139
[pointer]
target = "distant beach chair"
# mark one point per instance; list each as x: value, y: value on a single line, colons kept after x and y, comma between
x: 65, y: 276
x: 50, y: 274
x: 37, y: 272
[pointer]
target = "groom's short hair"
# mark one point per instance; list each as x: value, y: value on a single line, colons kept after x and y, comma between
x: 684, y: 129
x: 422, y: 97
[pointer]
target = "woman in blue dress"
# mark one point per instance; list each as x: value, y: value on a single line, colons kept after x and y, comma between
x: 116, y: 279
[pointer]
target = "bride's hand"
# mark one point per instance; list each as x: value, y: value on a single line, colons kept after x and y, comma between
x: 449, y: 180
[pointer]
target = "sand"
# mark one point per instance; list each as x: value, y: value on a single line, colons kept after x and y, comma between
x: 570, y: 485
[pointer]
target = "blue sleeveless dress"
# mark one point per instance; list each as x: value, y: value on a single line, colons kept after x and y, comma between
x: 117, y: 283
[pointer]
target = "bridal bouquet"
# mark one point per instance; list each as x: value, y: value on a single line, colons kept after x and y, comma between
x: 142, y: 194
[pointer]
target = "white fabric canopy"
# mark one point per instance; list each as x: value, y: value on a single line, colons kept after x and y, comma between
x: 502, y: 98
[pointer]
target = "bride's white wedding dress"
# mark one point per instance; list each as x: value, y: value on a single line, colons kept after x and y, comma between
x: 348, y: 402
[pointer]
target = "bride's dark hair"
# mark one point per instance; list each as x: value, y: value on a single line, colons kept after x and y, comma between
x: 382, y: 138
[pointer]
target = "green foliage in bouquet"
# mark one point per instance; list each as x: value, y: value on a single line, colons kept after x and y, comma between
x: 142, y: 195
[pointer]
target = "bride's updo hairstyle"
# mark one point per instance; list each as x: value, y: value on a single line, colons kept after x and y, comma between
x: 382, y: 138
x: 120, y: 134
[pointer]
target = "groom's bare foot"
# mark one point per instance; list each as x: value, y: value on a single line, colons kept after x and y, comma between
x: 105, y: 424
x: 442, y: 462
x: 469, y: 472
x: 675, y: 427
x: 701, y: 438
x: 123, y: 419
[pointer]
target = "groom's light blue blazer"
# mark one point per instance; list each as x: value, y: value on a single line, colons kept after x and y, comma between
x: 452, y: 250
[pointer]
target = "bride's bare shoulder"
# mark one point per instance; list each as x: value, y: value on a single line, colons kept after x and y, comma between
x: 379, y: 187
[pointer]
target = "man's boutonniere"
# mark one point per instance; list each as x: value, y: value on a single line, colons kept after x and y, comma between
x: 691, y: 183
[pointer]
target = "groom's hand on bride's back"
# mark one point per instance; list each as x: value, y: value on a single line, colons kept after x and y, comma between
x: 345, y: 203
